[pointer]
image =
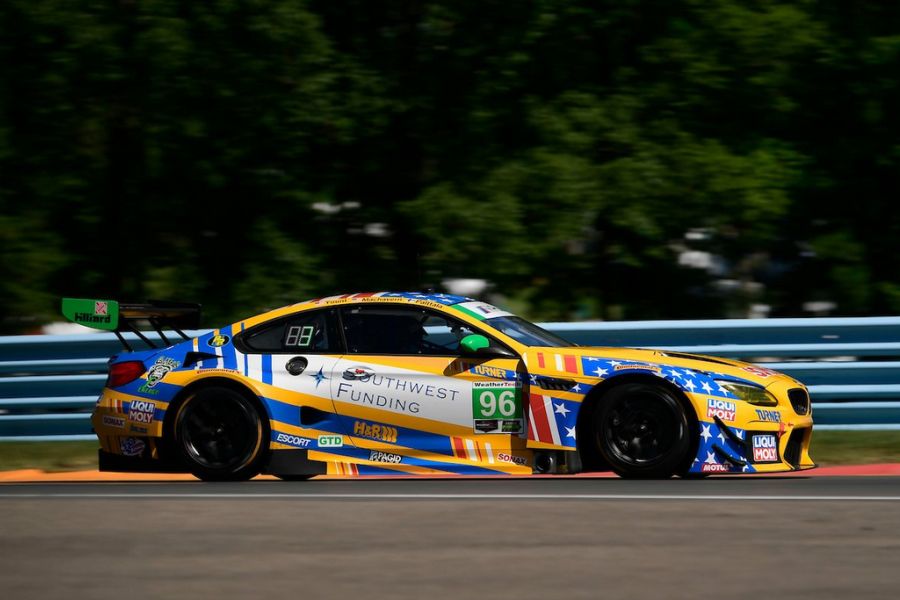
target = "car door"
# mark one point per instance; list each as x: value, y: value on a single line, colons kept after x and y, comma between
x: 297, y: 355
x: 405, y: 389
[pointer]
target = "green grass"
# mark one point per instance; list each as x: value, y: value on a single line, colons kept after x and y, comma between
x: 828, y: 448
x: 48, y: 456
x: 855, y: 447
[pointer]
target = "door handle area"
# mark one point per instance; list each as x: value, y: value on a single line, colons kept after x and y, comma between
x: 296, y: 365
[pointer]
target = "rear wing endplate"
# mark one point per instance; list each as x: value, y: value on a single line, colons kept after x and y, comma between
x: 110, y: 315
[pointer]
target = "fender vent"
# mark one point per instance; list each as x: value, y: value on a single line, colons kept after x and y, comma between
x: 192, y: 358
x: 311, y: 416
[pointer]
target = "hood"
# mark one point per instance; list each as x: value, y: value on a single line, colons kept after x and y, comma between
x: 544, y: 360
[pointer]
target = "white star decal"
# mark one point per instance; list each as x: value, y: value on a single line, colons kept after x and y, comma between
x: 593, y: 358
x: 674, y: 373
x: 576, y: 388
x: 706, y: 387
x: 689, y: 385
x: 570, y: 432
x: 688, y: 373
x: 706, y: 434
x: 721, y: 437
x: 710, y: 458
x: 615, y: 363
x: 745, y: 469
x: 533, y: 379
x: 561, y: 409
x: 740, y: 434
x: 722, y: 390
x: 600, y: 372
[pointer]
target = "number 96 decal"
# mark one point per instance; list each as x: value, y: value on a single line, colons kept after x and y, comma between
x: 497, y: 406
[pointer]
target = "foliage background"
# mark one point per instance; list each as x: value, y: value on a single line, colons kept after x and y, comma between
x: 247, y: 154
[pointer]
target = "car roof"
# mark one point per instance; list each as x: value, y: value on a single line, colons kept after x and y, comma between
x: 435, y: 300
x: 463, y: 307
x: 445, y: 299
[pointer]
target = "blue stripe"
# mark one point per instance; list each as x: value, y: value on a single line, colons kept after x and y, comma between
x: 245, y: 356
x: 203, y: 346
x: 267, y: 368
x: 411, y: 438
x: 363, y: 454
x: 453, y: 468
x: 286, y: 413
x: 290, y: 414
x: 229, y: 360
x: 343, y: 425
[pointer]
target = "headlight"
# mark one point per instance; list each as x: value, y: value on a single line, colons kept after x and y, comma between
x: 749, y: 393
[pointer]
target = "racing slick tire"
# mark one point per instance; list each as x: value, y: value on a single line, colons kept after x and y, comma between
x: 642, y: 431
x: 219, y: 435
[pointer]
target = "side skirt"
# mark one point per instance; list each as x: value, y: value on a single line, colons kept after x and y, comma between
x: 108, y: 461
x: 293, y: 462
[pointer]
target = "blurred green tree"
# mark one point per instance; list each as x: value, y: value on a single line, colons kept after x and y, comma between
x: 247, y: 154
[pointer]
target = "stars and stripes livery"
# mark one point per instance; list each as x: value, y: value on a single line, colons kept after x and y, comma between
x: 338, y: 390
x: 552, y: 420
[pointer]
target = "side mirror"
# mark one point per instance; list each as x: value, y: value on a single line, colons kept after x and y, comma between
x: 474, y: 344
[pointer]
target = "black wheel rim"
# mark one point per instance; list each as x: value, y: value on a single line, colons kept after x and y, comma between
x: 641, y: 429
x: 219, y: 432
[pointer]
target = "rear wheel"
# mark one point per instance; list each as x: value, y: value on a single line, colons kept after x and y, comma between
x: 220, y: 435
x: 642, y: 430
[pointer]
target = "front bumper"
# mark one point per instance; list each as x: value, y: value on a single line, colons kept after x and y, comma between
x: 737, y: 437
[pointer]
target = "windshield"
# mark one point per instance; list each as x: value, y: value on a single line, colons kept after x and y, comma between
x: 526, y: 333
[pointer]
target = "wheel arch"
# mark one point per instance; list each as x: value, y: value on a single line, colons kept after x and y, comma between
x: 596, y: 394
x: 215, y: 381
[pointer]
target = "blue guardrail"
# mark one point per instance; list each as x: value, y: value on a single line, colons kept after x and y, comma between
x: 48, y: 384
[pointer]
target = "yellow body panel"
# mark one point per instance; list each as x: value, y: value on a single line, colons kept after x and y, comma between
x: 420, y: 414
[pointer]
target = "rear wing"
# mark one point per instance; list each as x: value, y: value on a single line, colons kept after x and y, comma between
x: 110, y: 315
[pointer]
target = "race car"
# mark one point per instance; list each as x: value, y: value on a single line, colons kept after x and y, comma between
x: 408, y: 383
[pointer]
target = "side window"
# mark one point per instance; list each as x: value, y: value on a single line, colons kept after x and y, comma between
x: 443, y: 332
x: 304, y: 333
x: 401, y: 330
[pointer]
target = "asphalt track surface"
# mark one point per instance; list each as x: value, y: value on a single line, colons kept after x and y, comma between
x: 779, y: 537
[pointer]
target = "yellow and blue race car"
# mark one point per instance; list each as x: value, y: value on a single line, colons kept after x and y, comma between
x: 428, y: 384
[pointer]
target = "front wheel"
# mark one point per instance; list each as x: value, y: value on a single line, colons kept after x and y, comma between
x: 219, y: 435
x: 642, y: 430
